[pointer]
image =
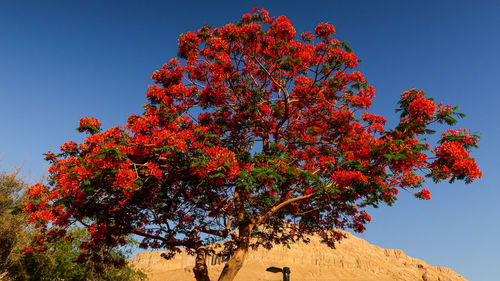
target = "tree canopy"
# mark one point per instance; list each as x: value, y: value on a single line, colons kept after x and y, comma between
x: 253, y: 132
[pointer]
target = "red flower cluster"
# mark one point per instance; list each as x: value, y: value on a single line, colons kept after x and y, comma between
x: 218, y: 159
x: 422, y: 107
x: 324, y: 30
x: 346, y: 179
x: 281, y: 29
x: 453, y: 159
x: 91, y: 125
x: 424, y: 194
x: 69, y: 147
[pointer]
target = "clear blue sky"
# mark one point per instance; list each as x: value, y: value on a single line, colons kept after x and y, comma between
x: 62, y: 60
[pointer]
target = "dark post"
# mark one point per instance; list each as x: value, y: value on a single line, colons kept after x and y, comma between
x: 286, y: 274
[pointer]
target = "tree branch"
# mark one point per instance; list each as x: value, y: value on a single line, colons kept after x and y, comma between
x: 276, y: 208
x: 221, y: 233
x: 185, y: 243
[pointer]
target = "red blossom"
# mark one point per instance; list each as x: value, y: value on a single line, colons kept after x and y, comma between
x: 91, y: 125
x: 453, y: 158
x: 281, y: 29
x: 424, y: 194
x: 324, y: 30
x: 422, y: 107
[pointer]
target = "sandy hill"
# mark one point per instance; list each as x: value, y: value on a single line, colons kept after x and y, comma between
x: 353, y: 259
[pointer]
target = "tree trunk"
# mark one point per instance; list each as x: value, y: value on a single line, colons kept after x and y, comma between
x: 200, y: 267
x: 235, y: 263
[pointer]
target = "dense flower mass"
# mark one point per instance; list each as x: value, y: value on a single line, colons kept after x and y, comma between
x: 221, y: 160
x: 253, y: 132
x: 422, y: 107
x: 453, y: 159
x: 91, y: 125
x: 324, y: 30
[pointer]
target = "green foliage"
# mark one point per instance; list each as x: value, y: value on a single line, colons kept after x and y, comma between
x: 59, y: 261
x: 10, y: 225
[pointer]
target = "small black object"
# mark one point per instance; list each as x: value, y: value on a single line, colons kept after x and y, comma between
x: 274, y: 269
x: 285, y: 270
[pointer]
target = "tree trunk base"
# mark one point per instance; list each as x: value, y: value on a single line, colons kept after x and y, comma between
x: 200, y: 269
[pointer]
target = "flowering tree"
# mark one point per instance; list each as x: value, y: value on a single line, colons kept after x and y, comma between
x: 258, y: 138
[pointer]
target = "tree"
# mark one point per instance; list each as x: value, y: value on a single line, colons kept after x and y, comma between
x: 259, y: 134
x: 59, y: 261
x: 11, y: 225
